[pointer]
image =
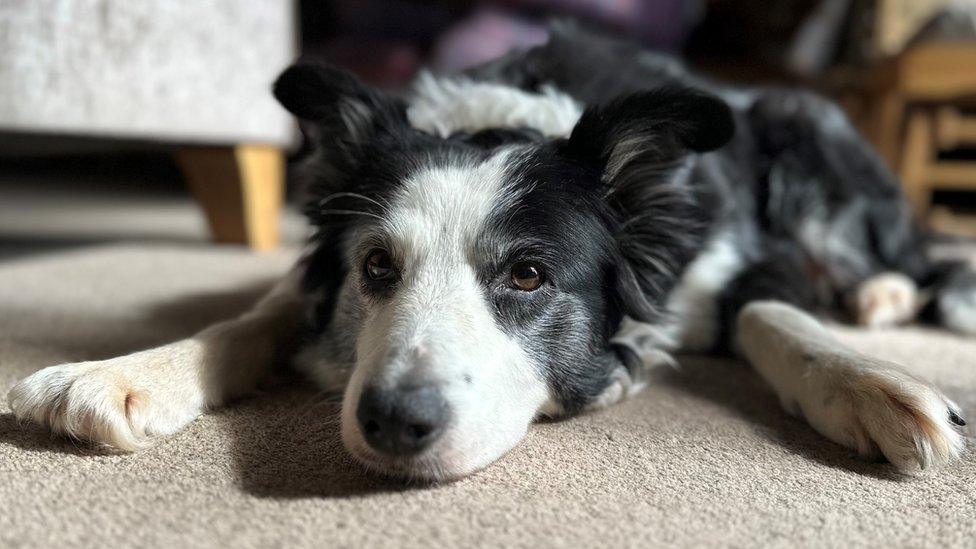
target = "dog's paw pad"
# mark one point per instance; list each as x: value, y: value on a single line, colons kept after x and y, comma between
x: 886, y: 300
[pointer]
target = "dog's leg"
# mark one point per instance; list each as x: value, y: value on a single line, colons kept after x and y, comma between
x: 872, y: 406
x: 122, y: 401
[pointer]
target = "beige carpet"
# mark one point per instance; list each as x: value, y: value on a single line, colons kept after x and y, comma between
x: 705, y: 456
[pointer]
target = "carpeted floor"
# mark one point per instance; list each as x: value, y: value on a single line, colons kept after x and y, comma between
x: 705, y: 456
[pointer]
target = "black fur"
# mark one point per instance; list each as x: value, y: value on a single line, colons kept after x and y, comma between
x: 660, y: 226
x: 560, y: 222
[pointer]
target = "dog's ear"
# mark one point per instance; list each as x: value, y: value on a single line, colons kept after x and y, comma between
x: 345, y: 122
x: 654, y: 127
x: 640, y: 143
x: 341, y: 109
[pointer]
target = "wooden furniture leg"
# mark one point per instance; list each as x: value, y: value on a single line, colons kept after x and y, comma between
x: 919, y: 153
x: 240, y: 189
x: 888, y: 117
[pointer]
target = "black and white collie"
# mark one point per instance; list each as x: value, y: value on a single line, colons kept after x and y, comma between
x: 525, y: 240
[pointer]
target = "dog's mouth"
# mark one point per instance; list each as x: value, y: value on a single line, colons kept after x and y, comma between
x: 426, y: 467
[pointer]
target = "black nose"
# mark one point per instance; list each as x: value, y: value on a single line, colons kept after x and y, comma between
x: 402, y: 422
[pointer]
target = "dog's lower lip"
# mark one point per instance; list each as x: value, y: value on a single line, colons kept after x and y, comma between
x: 401, y: 467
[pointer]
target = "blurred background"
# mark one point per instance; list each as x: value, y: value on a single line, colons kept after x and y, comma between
x: 153, y: 120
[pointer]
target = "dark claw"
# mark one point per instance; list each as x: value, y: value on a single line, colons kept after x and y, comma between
x: 956, y: 418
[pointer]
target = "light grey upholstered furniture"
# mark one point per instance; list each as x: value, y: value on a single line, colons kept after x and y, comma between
x: 190, y: 73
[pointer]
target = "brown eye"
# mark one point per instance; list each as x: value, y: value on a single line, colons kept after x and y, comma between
x: 379, y: 266
x: 527, y: 276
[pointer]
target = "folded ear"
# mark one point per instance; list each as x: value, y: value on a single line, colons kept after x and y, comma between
x: 337, y: 104
x: 640, y: 144
x: 651, y: 127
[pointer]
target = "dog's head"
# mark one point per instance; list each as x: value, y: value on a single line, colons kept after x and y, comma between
x: 469, y: 284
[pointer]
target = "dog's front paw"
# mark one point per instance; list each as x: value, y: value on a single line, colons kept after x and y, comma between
x: 878, y: 409
x: 95, y: 401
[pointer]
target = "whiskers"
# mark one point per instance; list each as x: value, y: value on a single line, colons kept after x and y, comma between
x: 322, y: 401
x: 350, y: 212
x: 321, y: 208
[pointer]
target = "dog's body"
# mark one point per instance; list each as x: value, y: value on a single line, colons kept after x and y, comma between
x: 489, y: 251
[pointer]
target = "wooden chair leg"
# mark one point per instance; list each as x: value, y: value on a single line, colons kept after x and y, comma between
x: 240, y: 189
x: 918, y: 154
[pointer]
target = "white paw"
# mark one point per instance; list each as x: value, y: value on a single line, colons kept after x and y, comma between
x: 622, y: 385
x: 885, y: 300
x: 649, y: 345
x: 878, y: 409
x: 98, y: 402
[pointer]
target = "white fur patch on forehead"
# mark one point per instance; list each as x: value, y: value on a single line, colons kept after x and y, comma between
x: 445, y: 207
x: 444, y: 106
